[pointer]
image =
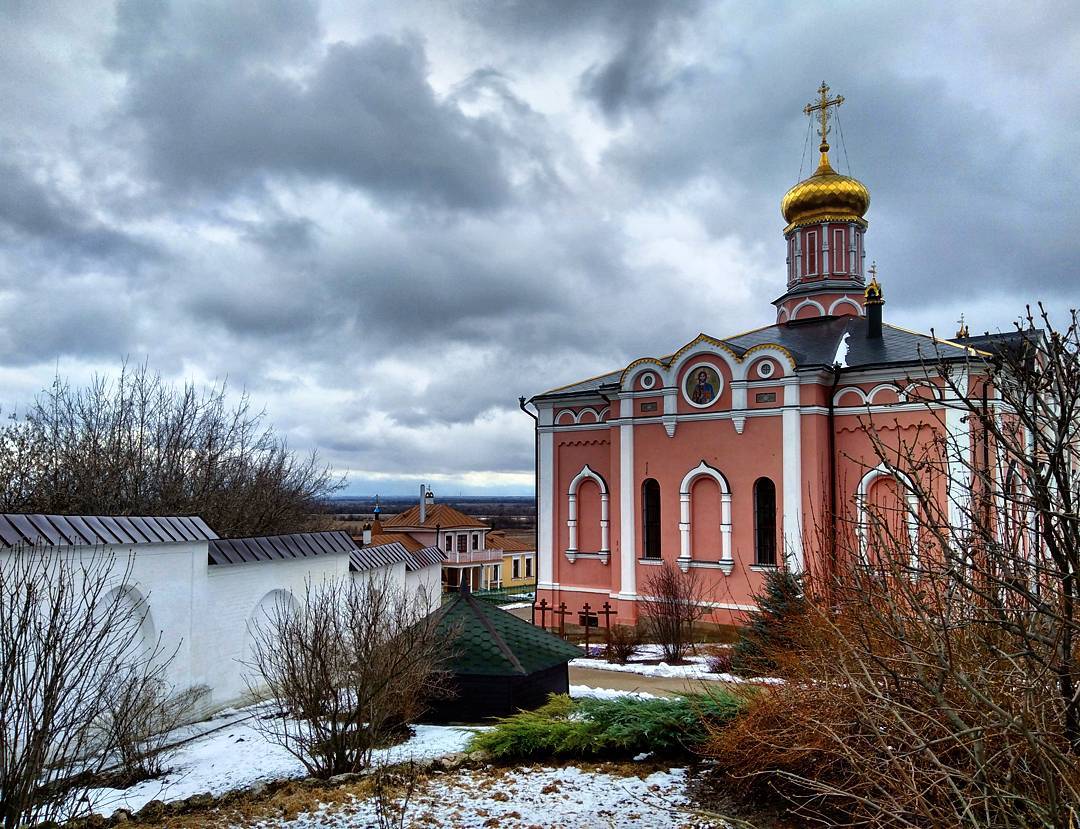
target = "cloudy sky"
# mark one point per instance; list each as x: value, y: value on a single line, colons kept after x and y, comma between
x: 388, y: 220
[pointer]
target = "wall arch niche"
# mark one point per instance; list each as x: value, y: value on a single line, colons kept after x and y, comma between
x: 587, y: 516
x: 704, y: 518
x: 888, y: 514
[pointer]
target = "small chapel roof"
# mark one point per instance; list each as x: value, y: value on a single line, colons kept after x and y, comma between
x: 489, y: 641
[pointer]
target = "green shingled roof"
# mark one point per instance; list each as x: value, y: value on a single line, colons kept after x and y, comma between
x: 492, y: 642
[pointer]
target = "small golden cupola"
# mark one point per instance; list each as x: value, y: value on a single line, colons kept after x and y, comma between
x: 825, y: 226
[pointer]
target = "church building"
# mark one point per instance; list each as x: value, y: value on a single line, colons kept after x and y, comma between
x: 721, y: 454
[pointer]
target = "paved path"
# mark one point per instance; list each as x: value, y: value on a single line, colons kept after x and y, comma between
x: 661, y: 686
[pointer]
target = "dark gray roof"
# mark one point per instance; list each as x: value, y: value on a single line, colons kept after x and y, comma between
x: 427, y: 557
x: 274, y: 547
x: 814, y: 343
x: 378, y: 555
x: 72, y: 530
x: 1005, y: 342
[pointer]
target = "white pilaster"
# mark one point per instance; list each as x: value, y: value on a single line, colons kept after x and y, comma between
x: 545, y: 544
x: 958, y: 457
x: 792, y: 522
x: 627, y: 522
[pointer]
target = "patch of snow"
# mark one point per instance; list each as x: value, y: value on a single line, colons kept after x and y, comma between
x: 580, y: 691
x: 531, y: 796
x: 697, y: 667
x: 237, y: 755
x: 842, y: 351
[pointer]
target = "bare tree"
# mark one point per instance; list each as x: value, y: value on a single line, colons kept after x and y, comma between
x: 672, y: 603
x: 67, y: 632
x: 934, y: 678
x: 137, y: 446
x: 344, y: 668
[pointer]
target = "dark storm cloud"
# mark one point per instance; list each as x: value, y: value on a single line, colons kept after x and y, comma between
x: 388, y: 221
x: 220, y: 111
x: 41, y: 218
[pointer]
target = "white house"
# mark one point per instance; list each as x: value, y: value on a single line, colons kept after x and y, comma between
x: 201, y: 593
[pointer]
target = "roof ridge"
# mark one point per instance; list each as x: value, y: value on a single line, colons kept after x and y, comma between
x: 472, y: 602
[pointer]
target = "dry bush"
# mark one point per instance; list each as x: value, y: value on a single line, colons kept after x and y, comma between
x: 672, y: 602
x: 933, y: 680
x: 623, y: 644
x: 344, y: 669
x: 68, y: 640
x: 141, y: 712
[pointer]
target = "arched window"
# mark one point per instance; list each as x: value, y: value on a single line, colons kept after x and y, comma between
x: 650, y: 514
x: 765, y: 522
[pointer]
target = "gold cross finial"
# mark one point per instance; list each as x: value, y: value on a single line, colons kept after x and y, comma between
x: 873, y: 270
x: 822, y: 108
x: 962, y: 331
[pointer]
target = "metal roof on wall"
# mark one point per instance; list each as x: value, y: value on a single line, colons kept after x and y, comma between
x: 276, y: 547
x: 80, y: 530
x: 378, y: 555
x: 427, y: 557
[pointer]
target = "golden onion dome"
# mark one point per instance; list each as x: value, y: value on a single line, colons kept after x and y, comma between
x: 826, y: 196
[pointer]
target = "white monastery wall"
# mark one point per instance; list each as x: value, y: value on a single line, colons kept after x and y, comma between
x: 427, y: 579
x: 236, y: 596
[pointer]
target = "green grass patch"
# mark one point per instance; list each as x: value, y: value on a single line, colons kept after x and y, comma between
x: 589, y: 728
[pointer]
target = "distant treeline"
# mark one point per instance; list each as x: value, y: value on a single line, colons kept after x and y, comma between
x: 501, y: 512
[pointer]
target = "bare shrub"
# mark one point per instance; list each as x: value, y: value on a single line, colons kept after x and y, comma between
x: 392, y: 788
x: 139, y: 446
x: 65, y: 634
x: 672, y: 603
x: 933, y: 680
x: 344, y: 669
x: 720, y: 661
x: 141, y: 712
x: 623, y: 644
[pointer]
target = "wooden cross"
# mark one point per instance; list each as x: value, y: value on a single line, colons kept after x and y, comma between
x: 822, y: 108
x: 543, y: 613
x: 585, y: 608
x: 562, y: 613
x: 607, y: 613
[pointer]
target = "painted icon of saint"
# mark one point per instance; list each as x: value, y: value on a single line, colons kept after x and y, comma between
x: 703, y: 391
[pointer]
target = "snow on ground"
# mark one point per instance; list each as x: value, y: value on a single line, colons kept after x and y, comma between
x: 236, y: 755
x: 563, y: 798
x: 579, y: 691
x: 697, y: 667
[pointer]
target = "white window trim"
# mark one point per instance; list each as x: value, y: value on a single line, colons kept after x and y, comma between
x: 726, y: 563
x: 586, y: 473
x: 911, y: 504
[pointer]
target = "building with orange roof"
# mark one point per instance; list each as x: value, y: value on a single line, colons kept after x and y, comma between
x: 470, y: 554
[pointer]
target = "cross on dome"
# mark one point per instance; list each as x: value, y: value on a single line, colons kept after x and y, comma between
x: 822, y: 108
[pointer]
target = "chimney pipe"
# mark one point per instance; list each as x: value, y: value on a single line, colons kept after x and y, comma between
x: 423, y: 503
x: 367, y: 534
x: 873, y: 299
x: 873, y: 321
